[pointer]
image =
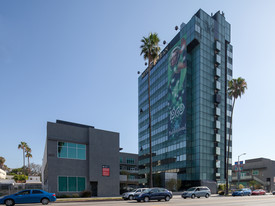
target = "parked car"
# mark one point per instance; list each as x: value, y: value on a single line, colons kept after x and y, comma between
x: 196, y: 192
x: 130, y: 195
x: 28, y: 196
x: 242, y: 192
x: 154, y: 194
x: 258, y: 192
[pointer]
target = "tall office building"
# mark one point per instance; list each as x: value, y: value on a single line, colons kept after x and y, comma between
x: 190, y: 106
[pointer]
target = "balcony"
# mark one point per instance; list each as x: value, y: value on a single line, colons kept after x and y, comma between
x: 246, y: 177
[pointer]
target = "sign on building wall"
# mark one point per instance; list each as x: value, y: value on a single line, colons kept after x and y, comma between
x: 105, y: 170
x: 177, y: 70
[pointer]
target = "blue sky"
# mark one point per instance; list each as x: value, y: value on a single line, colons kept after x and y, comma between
x: 78, y: 61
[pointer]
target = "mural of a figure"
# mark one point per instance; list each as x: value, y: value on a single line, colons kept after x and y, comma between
x: 177, y: 69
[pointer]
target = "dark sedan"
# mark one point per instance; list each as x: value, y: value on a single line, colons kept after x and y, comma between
x: 154, y: 194
x: 28, y: 196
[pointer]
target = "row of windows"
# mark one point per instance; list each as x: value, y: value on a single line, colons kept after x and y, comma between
x: 171, y: 148
x: 154, y: 109
x: 71, y: 150
x: 158, y: 141
x: 153, y: 88
x: 128, y: 160
x: 71, y: 184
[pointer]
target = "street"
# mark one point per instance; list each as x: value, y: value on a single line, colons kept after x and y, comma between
x: 177, y: 200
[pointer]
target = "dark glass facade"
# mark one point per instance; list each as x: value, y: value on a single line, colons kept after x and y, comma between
x: 190, y: 107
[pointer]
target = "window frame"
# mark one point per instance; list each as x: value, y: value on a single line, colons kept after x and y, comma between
x: 67, y: 149
x: 77, y: 186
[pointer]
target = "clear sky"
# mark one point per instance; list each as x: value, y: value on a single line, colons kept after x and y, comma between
x: 78, y: 61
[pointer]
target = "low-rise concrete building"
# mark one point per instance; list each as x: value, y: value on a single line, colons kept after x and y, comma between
x: 129, y: 177
x: 260, y: 170
x: 3, y: 174
x: 79, y: 157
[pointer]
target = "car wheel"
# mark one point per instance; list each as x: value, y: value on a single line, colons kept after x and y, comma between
x: 193, y: 196
x: 184, y: 198
x: 167, y: 198
x: 198, y: 197
x: 131, y: 197
x: 249, y: 194
x: 138, y: 200
x: 45, y: 201
x: 9, y: 202
x: 159, y: 200
x: 207, y: 195
x: 146, y: 199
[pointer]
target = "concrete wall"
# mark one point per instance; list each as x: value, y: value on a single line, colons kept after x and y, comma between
x: 104, y: 150
x: 61, y: 166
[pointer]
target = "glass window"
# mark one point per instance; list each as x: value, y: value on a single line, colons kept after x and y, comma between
x: 25, y: 192
x: 71, y: 153
x: 37, y: 192
x: 62, y: 151
x: 81, y: 184
x: 62, y: 184
x: 81, y: 154
x: 71, y: 150
x: 130, y: 161
x: 72, y: 184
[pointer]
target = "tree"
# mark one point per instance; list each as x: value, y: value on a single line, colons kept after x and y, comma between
x: 150, y: 51
x: 241, y: 186
x: 20, y: 178
x: 2, y: 161
x: 236, y: 88
x: 35, y: 169
x: 23, y: 146
x: 28, y: 155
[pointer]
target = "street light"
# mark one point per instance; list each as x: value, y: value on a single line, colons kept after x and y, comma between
x: 239, y: 168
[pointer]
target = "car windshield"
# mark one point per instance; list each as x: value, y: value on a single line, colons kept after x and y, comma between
x: 134, y: 190
x: 240, y: 190
x: 191, y: 189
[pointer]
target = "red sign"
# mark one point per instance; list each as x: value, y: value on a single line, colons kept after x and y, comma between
x: 106, y: 171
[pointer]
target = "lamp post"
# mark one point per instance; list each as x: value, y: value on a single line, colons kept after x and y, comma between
x: 239, y: 168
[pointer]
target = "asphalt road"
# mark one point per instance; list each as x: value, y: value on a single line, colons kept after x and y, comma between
x: 266, y: 200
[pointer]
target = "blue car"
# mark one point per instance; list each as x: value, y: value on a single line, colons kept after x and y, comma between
x: 28, y: 196
x: 242, y: 192
x: 154, y: 194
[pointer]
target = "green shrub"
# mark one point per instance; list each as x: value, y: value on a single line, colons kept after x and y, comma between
x: 75, y: 195
x: 86, y: 193
x: 221, y: 192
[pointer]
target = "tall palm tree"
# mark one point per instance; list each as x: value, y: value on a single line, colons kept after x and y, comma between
x: 236, y: 88
x: 2, y: 161
x: 28, y: 155
x: 150, y: 50
x: 23, y: 146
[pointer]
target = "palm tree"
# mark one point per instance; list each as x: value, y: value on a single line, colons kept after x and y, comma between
x: 2, y: 161
x: 236, y: 88
x: 23, y: 146
x: 150, y: 51
x: 28, y: 155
